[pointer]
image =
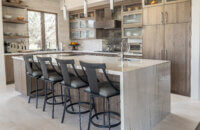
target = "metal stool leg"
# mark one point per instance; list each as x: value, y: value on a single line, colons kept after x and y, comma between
x: 65, y: 96
x: 94, y: 106
x: 104, y: 109
x: 30, y: 89
x: 36, y: 93
x: 45, y: 97
x: 79, y: 106
x: 61, y: 91
x: 52, y: 86
x: 70, y: 99
x: 90, y: 114
x: 108, y: 112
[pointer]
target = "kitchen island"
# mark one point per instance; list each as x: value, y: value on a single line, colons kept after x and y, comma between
x: 144, y: 85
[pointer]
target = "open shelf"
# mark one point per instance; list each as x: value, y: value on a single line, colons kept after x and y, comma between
x: 15, y: 37
x: 14, y: 21
x: 14, y: 5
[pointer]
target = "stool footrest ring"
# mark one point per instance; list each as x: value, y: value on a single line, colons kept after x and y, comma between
x: 105, y: 126
x: 76, y: 112
x: 56, y: 103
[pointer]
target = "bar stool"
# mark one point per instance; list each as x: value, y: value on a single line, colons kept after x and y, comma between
x: 33, y: 72
x: 72, y: 83
x: 52, y: 79
x: 104, y: 90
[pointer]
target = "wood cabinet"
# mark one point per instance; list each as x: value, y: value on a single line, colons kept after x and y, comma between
x: 166, y: 36
x: 153, y: 15
x: 177, y: 46
x: 177, y: 12
x: 153, y: 41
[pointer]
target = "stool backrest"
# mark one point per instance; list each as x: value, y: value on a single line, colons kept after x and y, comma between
x: 92, y: 75
x: 30, y: 64
x: 28, y: 59
x: 63, y: 65
x: 44, y: 61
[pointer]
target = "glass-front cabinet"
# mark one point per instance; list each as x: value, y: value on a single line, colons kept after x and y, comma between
x: 74, y: 35
x: 82, y: 27
x: 132, y: 19
x: 132, y: 32
x: 152, y: 2
x: 74, y: 25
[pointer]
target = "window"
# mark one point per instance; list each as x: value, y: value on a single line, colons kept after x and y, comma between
x: 42, y: 28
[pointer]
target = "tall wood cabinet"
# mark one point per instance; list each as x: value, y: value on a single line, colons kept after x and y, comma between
x: 166, y: 36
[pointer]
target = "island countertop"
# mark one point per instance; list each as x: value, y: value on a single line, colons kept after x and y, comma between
x: 114, y: 64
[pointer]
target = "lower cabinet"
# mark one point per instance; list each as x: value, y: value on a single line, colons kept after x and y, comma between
x: 171, y: 42
x: 177, y: 46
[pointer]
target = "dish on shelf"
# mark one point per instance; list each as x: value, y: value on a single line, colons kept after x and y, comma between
x: 7, y: 33
x: 20, y: 18
x: 7, y: 16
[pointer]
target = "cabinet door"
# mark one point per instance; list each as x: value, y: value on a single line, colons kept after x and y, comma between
x: 153, y: 41
x: 178, y: 12
x: 153, y: 15
x: 177, y: 44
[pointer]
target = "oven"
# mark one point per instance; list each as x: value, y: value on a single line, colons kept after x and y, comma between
x: 135, y: 46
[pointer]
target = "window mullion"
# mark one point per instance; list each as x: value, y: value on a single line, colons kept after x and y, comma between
x: 43, y: 31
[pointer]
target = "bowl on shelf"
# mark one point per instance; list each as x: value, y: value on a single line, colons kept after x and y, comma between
x: 7, y: 16
x: 20, y: 18
x: 7, y: 33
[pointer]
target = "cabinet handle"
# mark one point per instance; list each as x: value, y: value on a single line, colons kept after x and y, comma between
x: 165, y: 54
x: 166, y: 17
x: 162, y: 18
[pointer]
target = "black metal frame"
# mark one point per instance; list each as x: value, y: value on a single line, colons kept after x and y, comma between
x: 29, y: 62
x: 63, y: 66
x: 46, y: 80
x: 92, y: 78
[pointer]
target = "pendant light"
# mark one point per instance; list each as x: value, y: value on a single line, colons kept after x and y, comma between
x: 64, y: 9
x: 111, y: 5
x: 85, y: 8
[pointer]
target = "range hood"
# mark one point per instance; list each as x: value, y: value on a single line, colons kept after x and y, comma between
x: 107, y: 22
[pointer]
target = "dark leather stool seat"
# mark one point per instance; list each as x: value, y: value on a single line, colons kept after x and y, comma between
x: 106, y: 90
x: 76, y: 83
x: 54, y: 77
x: 36, y: 74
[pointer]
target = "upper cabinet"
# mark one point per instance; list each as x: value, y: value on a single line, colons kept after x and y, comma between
x: 178, y: 12
x: 153, y: 15
x: 152, y: 2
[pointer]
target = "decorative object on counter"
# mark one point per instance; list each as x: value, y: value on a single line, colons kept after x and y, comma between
x: 74, y: 45
x: 13, y: 47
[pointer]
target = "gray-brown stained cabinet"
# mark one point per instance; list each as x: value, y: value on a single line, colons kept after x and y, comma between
x: 166, y: 36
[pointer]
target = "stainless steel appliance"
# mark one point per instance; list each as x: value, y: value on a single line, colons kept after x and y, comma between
x: 135, y: 46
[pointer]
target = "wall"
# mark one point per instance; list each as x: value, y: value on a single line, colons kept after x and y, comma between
x: 2, y: 66
x: 195, y: 50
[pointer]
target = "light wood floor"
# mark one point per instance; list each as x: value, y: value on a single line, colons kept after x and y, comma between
x: 17, y: 114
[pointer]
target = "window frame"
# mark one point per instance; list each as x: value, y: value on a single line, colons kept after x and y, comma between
x: 44, y: 48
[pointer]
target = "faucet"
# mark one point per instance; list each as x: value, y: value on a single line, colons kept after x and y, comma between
x: 123, y: 44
